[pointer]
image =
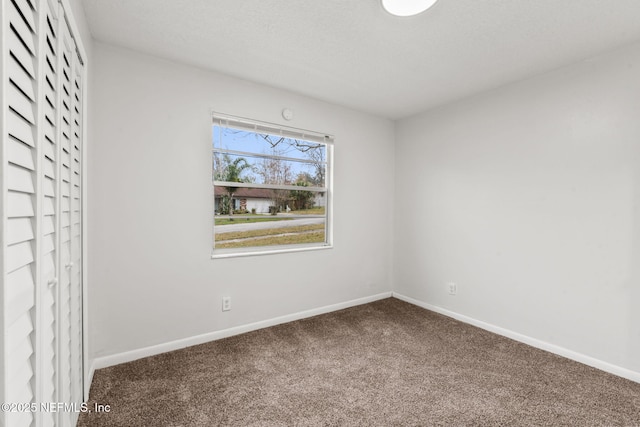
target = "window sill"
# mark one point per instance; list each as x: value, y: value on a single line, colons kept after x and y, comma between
x: 254, y: 252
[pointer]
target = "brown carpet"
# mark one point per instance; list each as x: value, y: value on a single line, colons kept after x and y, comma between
x: 387, y: 363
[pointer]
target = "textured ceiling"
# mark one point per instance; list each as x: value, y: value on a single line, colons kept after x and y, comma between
x: 351, y: 52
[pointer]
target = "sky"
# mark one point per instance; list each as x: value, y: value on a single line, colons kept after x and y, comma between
x: 240, y: 140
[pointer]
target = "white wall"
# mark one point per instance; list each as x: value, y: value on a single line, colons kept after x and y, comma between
x: 151, y: 208
x: 528, y: 197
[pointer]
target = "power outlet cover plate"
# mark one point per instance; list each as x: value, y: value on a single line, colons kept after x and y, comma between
x: 453, y: 289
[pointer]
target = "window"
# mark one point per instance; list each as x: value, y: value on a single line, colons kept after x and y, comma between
x: 272, y: 188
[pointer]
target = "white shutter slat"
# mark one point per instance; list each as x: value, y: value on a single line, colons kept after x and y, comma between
x: 49, y: 131
x: 20, y: 129
x: 65, y: 220
x: 21, y: 78
x: 21, y: 27
x: 16, y: 334
x: 49, y: 112
x: 49, y: 169
x: 24, y: 374
x: 65, y: 258
x: 20, y: 304
x: 48, y: 243
x: 50, y: 88
x: 49, y: 91
x: 20, y: 53
x: 32, y: 4
x: 20, y: 230
x: 20, y: 278
x: 19, y: 154
x: 19, y: 103
x: 65, y: 205
x: 53, y: 16
x: 48, y: 188
x: 66, y: 151
x: 19, y: 393
x: 18, y: 255
x: 27, y: 13
x: 48, y: 267
x: 19, y: 205
x: 49, y: 207
x: 48, y: 386
x: 26, y: 10
x: 52, y: 41
x: 66, y: 174
x: 65, y: 235
x: 50, y: 56
x: 48, y: 226
x: 18, y: 283
x: 19, y: 179
x: 49, y: 150
x: 49, y: 383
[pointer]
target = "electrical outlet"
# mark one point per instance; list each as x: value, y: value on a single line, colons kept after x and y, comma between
x: 453, y: 289
x: 226, y: 303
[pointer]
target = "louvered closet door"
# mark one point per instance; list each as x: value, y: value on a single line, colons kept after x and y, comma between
x: 41, y: 238
x: 50, y: 217
x: 75, y: 269
x: 20, y: 136
x: 66, y: 147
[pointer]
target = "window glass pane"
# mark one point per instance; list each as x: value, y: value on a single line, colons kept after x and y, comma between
x: 266, y: 159
x: 264, y: 217
x: 238, y: 234
x: 261, y: 201
x: 288, y: 204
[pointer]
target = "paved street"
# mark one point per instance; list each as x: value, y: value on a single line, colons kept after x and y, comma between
x: 264, y: 225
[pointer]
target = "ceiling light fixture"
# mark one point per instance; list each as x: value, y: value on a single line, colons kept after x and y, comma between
x: 407, y: 7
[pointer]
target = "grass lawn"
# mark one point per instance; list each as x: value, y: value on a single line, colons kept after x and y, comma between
x: 313, y: 211
x: 313, y: 237
x: 272, y: 236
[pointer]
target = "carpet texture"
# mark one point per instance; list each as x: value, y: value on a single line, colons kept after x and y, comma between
x: 386, y: 363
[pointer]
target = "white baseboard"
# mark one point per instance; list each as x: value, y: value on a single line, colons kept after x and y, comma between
x: 129, y: 356
x: 552, y: 348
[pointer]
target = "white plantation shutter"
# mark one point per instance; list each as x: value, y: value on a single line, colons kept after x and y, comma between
x: 75, y: 266
x: 20, y: 86
x: 64, y: 79
x: 50, y: 228
x: 41, y: 230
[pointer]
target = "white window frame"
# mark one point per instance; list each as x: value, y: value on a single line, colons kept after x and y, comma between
x: 257, y: 126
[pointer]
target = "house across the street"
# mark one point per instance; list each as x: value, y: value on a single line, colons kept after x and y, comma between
x: 259, y: 199
x: 246, y: 199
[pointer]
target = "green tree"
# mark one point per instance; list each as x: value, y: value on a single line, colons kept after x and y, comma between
x: 230, y: 171
x: 302, y: 199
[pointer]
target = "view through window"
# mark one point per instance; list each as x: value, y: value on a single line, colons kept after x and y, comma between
x: 271, y: 187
